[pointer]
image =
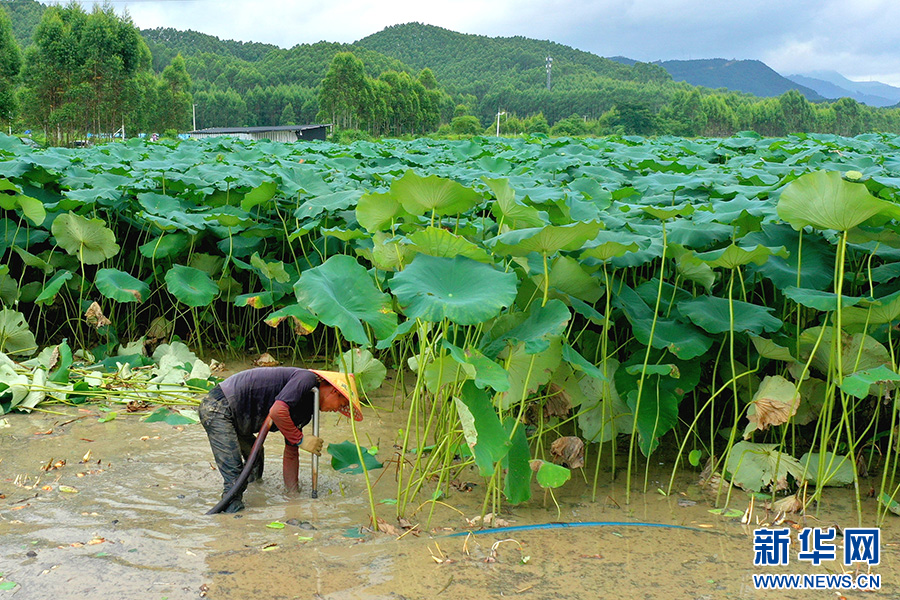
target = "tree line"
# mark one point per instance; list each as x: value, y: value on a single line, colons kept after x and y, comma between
x: 95, y: 72
x: 88, y: 72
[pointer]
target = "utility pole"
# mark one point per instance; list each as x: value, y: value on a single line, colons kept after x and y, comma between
x: 194, y: 115
x: 499, y: 114
x: 549, y: 66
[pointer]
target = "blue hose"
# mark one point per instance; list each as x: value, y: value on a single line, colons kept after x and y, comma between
x: 557, y: 525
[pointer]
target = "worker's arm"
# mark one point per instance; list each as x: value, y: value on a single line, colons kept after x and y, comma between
x: 293, y: 439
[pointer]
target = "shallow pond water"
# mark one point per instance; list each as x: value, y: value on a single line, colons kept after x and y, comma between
x: 128, y: 524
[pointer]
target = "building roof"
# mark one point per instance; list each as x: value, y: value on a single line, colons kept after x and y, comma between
x: 260, y: 129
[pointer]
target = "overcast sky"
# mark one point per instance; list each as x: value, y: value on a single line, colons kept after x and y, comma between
x: 860, y: 38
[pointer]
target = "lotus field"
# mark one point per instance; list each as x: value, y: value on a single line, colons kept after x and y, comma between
x: 722, y: 302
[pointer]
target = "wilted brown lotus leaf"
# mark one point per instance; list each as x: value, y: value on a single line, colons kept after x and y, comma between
x: 774, y: 403
x: 558, y: 402
x: 568, y: 450
x: 266, y: 360
x: 788, y: 504
x: 385, y: 527
x: 95, y: 317
x: 160, y: 329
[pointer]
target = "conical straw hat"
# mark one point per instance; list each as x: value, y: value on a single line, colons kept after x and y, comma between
x: 344, y: 383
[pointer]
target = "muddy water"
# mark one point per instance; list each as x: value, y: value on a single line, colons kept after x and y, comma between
x: 135, y: 528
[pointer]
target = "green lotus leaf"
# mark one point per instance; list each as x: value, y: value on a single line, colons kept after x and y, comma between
x: 273, y: 270
x: 825, y: 200
x: 756, y: 466
x: 603, y: 415
x: 159, y: 204
x: 208, y: 263
x: 535, y: 329
x: 660, y: 397
x: 30, y: 260
x: 52, y: 287
x: 120, y: 286
x: 433, y: 194
x: 459, y: 289
x: 711, y: 314
x: 170, y: 416
x: 89, y: 240
x: 733, y: 256
x: 435, y: 241
x: 264, y: 192
x: 669, y: 212
x: 529, y: 371
x: 873, y: 311
x: 327, y: 203
x: 862, y: 383
x: 304, y: 321
x: 859, y: 352
x: 345, y: 458
x: 487, y: 372
x: 570, y: 277
x: 611, y: 244
x: 342, y: 294
x: 550, y: 475
x: 824, y: 301
x: 15, y: 336
x: 586, y: 310
x: 546, y: 240
x: 368, y: 370
x: 389, y: 253
x: 517, y: 483
x: 345, y: 235
x: 580, y: 363
x: 376, y: 211
x: 255, y: 299
x: 482, y: 428
x: 809, y: 264
x: 443, y: 370
x: 666, y: 370
x: 191, y: 286
x: 836, y: 470
x: 231, y: 217
x: 769, y: 349
x: 165, y: 245
x: 507, y: 208
x: 683, y: 340
x: 692, y: 268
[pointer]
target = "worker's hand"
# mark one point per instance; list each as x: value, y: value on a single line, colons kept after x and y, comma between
x: 312, y: 444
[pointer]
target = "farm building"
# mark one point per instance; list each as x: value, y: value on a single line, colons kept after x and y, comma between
x: 278, y: 133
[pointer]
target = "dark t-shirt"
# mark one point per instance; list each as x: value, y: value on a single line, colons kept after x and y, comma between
x: 252, y: 393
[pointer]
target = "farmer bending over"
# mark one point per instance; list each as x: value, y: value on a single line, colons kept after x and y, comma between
x: 236, y: 409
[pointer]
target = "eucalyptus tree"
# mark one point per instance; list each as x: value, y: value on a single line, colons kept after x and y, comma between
x: 10, y: 63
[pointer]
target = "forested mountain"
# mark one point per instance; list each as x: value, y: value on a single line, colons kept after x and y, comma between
x: 165, y: 43
x: 467, y: 63
x: 407, y: 79
x: 750, y: 76
x: 511, y: 73
x: 25, y: 16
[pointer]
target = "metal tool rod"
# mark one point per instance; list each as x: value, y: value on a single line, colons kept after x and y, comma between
x: 315, y: 457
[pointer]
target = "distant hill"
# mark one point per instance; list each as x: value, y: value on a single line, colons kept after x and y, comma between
x: 750, y: 76
x: 25, y: 16
x: 166, y: 43
x: 467, y: 62
x: 831, y: 84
